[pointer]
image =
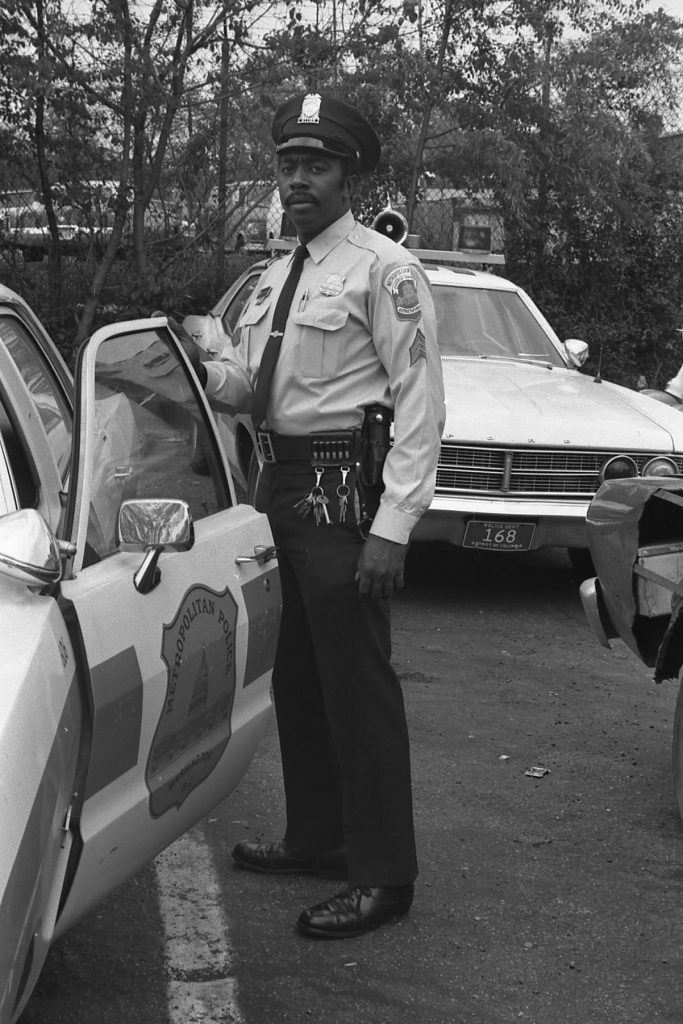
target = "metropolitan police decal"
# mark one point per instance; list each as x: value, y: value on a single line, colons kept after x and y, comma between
x: 199, y: 651
x: 402, y: 286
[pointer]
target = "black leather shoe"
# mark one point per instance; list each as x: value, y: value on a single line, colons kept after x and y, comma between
x: 280, y: 859
x: 356, y: 911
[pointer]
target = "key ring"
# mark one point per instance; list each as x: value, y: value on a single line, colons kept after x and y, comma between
x: 343, y: 491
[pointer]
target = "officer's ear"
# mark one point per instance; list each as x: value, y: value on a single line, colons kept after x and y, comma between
x: 351, y: 182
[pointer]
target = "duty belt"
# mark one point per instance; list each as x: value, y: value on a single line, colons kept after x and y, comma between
x: 327, y: 448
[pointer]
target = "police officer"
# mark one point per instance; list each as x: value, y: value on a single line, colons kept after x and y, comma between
x: 354, y: 347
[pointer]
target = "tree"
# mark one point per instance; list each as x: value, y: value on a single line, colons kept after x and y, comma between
x: 564, y: 132
x: 555, y: 110
x: 122, y: 82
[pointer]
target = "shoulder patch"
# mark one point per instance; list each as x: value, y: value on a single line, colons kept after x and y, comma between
x: 418, y: 349
x: 401, y: 283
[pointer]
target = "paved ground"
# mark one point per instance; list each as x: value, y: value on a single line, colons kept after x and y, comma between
x: 553, y: 900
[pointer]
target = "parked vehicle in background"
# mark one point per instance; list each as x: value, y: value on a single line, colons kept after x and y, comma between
x: 25, y: 229
x: 85, y: 219
x: 528, y: 439
x: 139, y: 606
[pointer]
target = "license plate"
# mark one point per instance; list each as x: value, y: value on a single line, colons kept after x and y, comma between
x: 498, y: 536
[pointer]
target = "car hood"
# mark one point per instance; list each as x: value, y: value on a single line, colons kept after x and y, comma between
x: 497, y: 402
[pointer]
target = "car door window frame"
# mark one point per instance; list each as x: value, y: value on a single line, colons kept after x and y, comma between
x: 33, y: 439
x: 49, y: 363
x: 85, y: 439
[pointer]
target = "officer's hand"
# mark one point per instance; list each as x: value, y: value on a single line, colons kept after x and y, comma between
x: 380, y: 567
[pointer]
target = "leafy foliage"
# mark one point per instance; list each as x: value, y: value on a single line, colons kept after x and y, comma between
x: 553, y: 113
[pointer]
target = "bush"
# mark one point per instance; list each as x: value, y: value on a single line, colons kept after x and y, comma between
x: 178, y: 283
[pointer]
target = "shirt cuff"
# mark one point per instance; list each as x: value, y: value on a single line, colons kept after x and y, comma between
x: 391, y: 524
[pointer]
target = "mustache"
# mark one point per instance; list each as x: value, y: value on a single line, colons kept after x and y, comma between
x: 294, y: 196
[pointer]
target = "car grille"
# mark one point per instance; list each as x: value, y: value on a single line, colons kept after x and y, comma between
x: 522, y: 472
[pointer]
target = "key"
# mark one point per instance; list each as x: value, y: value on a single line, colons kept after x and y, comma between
x: 343, y: 492
x: 320, y: 509
x: 305, y: 506
x: 308, y: 504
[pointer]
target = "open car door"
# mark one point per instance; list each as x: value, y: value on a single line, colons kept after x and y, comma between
x: 175, y: 634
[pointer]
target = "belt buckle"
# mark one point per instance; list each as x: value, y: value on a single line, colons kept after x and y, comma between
x: 265, y: 445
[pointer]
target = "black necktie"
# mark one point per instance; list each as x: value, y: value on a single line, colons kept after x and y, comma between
x: 272, y: 349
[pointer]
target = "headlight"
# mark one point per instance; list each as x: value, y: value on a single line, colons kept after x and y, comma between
x: 661, y: 466
x: 618, y: 468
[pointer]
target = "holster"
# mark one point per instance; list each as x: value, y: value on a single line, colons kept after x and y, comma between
x: 374, y: 447
x: 375, y: 444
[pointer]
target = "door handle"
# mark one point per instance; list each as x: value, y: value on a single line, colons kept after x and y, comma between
x: 261, y: 555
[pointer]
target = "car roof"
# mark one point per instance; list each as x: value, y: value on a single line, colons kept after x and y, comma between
x: 437, y: 273
x: 463, y: 277
x: 7, y: 295
x: 441, y: 275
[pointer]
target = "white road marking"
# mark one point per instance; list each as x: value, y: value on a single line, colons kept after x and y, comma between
x: 199, y: 962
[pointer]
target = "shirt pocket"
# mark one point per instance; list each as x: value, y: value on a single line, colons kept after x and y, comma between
x: 320, y: 340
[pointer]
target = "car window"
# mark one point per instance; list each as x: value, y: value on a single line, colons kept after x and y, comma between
x: 485, y: 323
x: 234, y: 310
x: 151, y: 437
x: 45, y: 390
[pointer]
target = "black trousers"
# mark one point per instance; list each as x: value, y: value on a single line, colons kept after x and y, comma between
x: 339, y: 705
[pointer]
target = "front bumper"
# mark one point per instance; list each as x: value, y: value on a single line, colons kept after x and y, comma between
x: 558, y: 523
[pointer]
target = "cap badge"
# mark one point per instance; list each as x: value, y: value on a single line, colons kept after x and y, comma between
x: 310, y: 109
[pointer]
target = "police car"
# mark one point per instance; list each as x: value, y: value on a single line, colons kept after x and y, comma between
x: 139, y: 605
x: 528, y: 438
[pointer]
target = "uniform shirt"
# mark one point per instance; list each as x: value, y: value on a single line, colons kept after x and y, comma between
x: 361, y: 329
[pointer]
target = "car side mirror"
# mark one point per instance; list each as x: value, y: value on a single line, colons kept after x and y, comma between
x: 29, y: 551
x: 153, y: 525
x: 577, y: 351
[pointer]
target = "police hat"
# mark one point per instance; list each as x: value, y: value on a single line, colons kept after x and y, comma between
x: 319, y: 122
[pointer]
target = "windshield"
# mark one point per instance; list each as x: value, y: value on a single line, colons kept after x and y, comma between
x: 483, y: 323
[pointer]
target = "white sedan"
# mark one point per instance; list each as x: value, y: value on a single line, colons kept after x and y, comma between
x: 529, y: 438
x: 139, y: 606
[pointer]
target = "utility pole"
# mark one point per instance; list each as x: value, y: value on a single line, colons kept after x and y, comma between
x: 223, y: 109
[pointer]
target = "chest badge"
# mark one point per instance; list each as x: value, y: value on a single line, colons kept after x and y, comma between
x: 332, y: 285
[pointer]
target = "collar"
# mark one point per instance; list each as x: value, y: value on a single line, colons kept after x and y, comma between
x: 327, y: 240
